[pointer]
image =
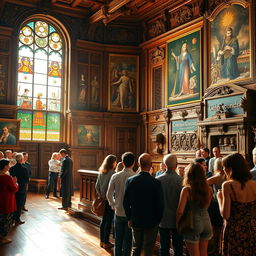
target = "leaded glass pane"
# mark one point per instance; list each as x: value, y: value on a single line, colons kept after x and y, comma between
x: 53, y: 127
x: 40, y: 79
x: 25, y: 78
x: 24, y: 96
x: 41, y: 28
x: 56, y: 81
x: 55, y: 56
x: 25, y: 65
x: 41, y: 42
x: 39, y: 125
x: 25, y: 51
x: 41, y: 54
x: 39, y: 103
x: 40, y: 66
x: 54, y: 69
x: 25, y: 124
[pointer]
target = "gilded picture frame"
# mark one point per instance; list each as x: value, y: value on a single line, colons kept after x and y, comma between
x: 184, y: 82
x: 230, y: 52
x: 9, y: 133
x: 123, y: 83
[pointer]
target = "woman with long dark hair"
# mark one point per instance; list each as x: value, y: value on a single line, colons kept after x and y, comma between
x: 197, y: 193
x: 106, y: 170
x: 237, y: 201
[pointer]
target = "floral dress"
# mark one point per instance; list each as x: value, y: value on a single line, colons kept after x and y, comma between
x: 239, y: 238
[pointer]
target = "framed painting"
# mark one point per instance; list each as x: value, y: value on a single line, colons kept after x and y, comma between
x: 230, y: 50
x: 9, y: 133
x: 88, y: 135
x: 123, y: 83
x: 184, y: 69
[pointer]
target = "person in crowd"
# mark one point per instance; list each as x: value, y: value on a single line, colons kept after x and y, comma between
x: 53, y: 175
x: 66, y: 179
x: 214, y: 211
x: 237, y: 201
x: 9, y: 156
x: 28, y: 166
x: 115, y: 196
x: 21, y: 173
x: 8, y: 187
x: 253, y: 170
x: 171, y: 184
x: 1, y: 155
x: 162, y: 170
x: 205, y: 153
x: 143, y: 205
x: 119, y: 167
x: 198, y: 153
x: 216, y: 153
x: 197, y: 193
x: 180, y: 171
x: 203, y: 164
x: 106, y: 170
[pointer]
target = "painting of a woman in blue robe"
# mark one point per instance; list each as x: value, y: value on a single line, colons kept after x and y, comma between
x: 185, y: 67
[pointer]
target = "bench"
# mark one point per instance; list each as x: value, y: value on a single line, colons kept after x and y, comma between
x: 37, y: 185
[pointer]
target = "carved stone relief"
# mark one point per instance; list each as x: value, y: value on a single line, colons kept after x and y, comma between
x: 184, y: 142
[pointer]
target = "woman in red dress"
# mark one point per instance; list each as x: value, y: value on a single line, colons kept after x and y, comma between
x: 8, y: 187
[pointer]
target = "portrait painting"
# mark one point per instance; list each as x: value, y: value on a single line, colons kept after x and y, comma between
x: 229, y: 45
x: 95, y: 86
x: 123, y: 83
x: 83, y: 75
x: 183, y: 69
x: 88, y: 135
x: 9, y: 133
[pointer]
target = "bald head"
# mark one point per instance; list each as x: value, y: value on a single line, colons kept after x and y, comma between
x: 145, y: 161
x: 170, y: 161
x: 254, y: 155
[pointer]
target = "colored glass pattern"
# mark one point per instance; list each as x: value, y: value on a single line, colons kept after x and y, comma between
x: 39, y: 82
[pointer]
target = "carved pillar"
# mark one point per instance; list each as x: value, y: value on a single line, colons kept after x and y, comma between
x: 145, y: 122
x: 167, y: 116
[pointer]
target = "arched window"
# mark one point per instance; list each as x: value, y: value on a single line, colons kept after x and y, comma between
x: 40, y: 81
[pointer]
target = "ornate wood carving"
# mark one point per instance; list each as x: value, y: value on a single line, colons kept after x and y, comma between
x: 158, y: 138
x: 185, y: 13
x: 157, y: 88
x: 157, y: 55
x: 184, y: 142
x: 4, y: 45
x: 156, y: 27
x: 183, y: 114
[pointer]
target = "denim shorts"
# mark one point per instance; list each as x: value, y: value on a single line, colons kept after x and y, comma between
x: 202, y: 228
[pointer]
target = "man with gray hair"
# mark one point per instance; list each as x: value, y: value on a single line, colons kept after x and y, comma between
x: 253, y: 170
x: 171, y: 184
x: 143, y: 205
x: 22, y: 175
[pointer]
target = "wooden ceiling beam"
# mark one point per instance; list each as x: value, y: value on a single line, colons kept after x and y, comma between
x: 117, y: 4
x: 76, y: 3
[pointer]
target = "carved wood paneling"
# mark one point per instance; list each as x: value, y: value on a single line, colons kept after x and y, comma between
x: 184, y: 142
x: 157, y: 88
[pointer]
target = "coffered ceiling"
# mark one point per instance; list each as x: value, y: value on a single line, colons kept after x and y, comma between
x: 103, y: 10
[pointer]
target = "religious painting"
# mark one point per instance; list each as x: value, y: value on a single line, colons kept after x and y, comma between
x: 184, y: 69
x: 123, y: 83
x: 88, y: 135
x: 230, y: 51
x: 95, y: 86
x: 9, y: 133
x: 83, y: 75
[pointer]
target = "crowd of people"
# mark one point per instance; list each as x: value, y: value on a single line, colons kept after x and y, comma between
x: 219, y: 191
x: 15, y: 172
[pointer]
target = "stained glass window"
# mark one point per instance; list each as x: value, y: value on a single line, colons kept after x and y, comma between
x: 39, y: 81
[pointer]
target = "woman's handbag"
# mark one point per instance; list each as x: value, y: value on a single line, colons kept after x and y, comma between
x: 186, y: 222
x: 98, y: 206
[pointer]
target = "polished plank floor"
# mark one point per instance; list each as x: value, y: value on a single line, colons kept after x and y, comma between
x: 48, y: 231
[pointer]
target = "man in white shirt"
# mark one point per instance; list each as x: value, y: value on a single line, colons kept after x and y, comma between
x: 216, y: 153
x: 115, y: 196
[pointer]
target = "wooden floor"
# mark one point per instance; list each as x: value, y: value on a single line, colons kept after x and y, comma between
x: 52, y: 232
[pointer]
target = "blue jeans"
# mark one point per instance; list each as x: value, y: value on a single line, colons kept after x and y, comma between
x: 106, y: 223
x: 123, y: 237
x: 177, y: 241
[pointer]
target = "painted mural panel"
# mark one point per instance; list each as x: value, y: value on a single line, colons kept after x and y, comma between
x: 123, y: 83
x: 230, y: 45
x: 183, y: 69
x: 88, y: 135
